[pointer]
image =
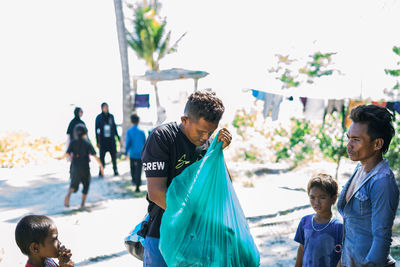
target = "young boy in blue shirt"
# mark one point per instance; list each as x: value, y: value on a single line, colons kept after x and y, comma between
x: 320, y: 235
x: 135, y: 140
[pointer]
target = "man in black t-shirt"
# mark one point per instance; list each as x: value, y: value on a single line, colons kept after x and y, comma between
x: 169, y: 150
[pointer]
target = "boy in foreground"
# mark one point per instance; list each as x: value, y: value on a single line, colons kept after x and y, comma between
x: 320, y: 235
x: 37, y: 237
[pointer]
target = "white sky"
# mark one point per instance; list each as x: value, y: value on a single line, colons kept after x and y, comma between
x: 55, y: 54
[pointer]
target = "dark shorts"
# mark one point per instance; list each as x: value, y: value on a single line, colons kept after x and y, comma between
x: 76, y: 179
x: 152, y: 256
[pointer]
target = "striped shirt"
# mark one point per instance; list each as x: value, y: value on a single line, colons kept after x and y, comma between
x: 48, y: 262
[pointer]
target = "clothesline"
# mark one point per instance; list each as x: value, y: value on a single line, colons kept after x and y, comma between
x: 315, y: 108
x: 326, y: 96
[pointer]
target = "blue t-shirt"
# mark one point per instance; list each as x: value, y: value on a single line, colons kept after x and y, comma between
x: 135, y: 140
x: 322, y: 248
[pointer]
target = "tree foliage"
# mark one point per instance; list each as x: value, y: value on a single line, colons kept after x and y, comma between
x: 395, y: 72
x: 284, y: 72
x: 318, y: 66
x: 149, y: 38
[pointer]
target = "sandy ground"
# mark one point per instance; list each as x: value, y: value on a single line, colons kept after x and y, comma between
x: 273, y: 206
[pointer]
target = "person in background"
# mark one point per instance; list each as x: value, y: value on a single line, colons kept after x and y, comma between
x: 78, y: 112
x: 106, y: 131
x: 80, y: 150
x: 37, y: 237
x: 369, y: 200
x: 320, y: 234
x: 135, y: 140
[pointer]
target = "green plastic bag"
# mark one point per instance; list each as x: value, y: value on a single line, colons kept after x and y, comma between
x: 204, y: 224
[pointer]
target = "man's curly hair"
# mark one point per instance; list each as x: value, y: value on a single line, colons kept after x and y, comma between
x: 206, y: 105
x: 379, y: 122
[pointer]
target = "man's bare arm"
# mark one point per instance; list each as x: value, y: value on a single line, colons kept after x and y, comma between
x: 157, y: 190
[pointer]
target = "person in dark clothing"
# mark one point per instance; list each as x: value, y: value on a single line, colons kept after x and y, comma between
x: 106, y: 131
x: 80, y: 149
x: 78, y: 112
x: 135, y: 139
x: 171, y: 148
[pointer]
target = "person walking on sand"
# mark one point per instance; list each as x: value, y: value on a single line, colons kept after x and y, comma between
x: 78, y: 113
x: 80, y: 149
x: 369, y: 200
x: 106, y: 131
x: 135, y: 139
x: 169, y: 150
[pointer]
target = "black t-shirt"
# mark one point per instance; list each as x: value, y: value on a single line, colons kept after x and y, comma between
x: 75, y: 121
x: 167, y: 153
x: 80, y: 151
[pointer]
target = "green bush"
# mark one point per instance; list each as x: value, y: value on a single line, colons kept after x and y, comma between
x: 393, y: 154
x: 296, y: 142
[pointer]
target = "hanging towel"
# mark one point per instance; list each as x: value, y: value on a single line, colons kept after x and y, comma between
x: 315, y: 109
x: 272, y: 103
x: 381, y: 104
x: 335, y: 105
x: 304, y: 102
x: 258, y: 94
x: 393, y: 106
x: 352, y: 104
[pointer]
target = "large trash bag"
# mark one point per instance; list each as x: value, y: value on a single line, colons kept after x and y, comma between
x: 204, y: 224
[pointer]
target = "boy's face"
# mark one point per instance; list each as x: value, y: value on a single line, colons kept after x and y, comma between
x: 50, y: 246
x: 198, y: 132
x: 320, y: 200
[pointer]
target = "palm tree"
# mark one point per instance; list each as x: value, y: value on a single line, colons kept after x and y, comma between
x: 126, y: 88
x: 150, y: 42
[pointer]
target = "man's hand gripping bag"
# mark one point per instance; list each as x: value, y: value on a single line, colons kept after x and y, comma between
x: 204, y: 224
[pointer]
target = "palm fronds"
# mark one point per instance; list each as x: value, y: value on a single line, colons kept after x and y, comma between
x: 149, y: 38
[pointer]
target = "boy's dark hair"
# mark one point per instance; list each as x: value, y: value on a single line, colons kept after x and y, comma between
x: 104, y: 104
x: 134, y: 119
x: 325, y: 182
x: 32, y: 229
x: 76, y: 111
x: 379, y: 122
x: 206, y: 105
x: 80, y: 130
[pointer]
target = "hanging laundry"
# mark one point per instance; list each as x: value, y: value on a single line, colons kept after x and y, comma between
x: 304, y: 102
x: 315, y: 109
x: 335, y: 105
x: 352, y: 104
x: 258, y: 94
x: 142, y: 101
x: 379, y: 103
x: 272, y: 103
x: 393, y: 106
x: 397, y: 107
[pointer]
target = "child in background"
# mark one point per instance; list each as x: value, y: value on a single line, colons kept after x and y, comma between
x: 320, y: 235
x: 80, y: 149
x: 135, y: 140
x: 37, y: 237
